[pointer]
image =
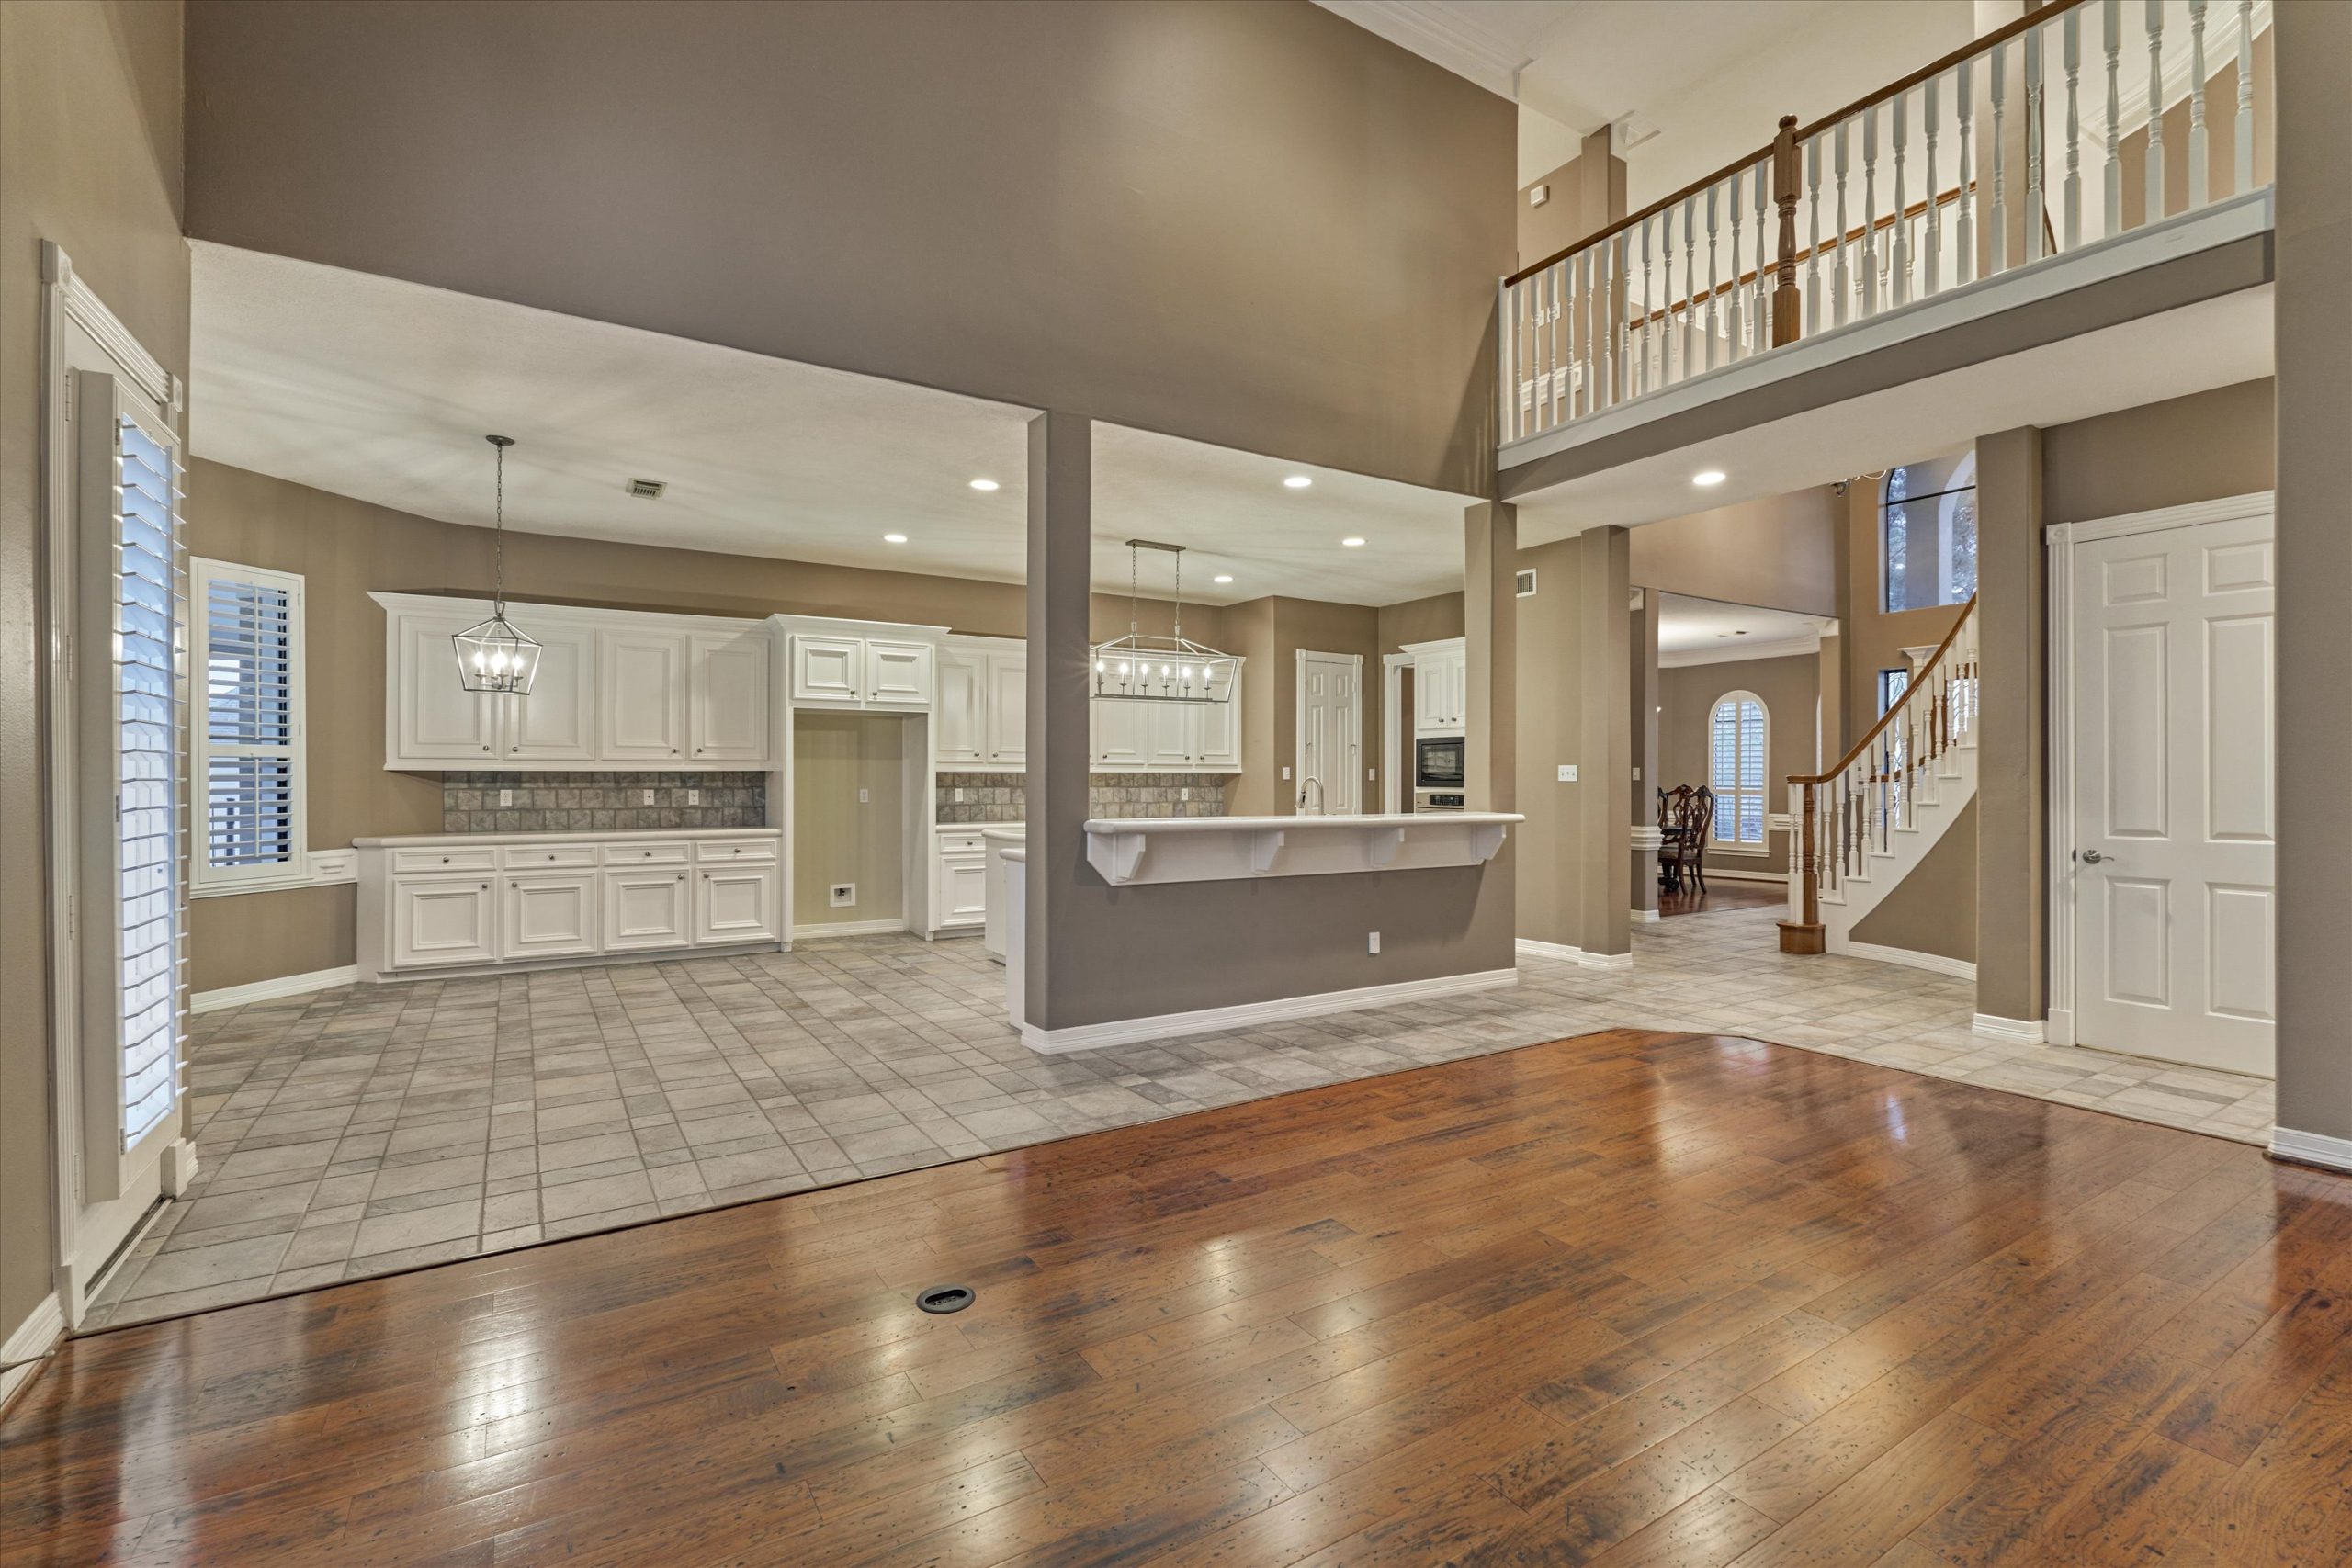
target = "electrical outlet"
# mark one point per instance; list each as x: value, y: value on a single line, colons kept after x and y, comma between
x: 649, y: 797
x: 865, y: 796
x: 1374, y: 946
x: 1637, y: 775
x: 1285, y: 774
x: 1183, y: 794
x: 506, y: 797
x: 1567, y: 773
x: 1372, y: 775
x: 957, y: 794
x: 694, y: 797
x: 842, y: 894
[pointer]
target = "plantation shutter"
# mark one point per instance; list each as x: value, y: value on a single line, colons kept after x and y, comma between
x: 249, y: 738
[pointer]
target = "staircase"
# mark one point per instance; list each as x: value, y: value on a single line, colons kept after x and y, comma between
x: 1867, y: 823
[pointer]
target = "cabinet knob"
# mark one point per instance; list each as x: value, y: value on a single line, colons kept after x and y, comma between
x: 485, y: 886
x: 445, y: 860
x: 485, y: 747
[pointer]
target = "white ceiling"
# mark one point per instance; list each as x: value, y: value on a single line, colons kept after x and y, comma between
x: 382, y: 391
x: 1700, y: 631
x: 2218, y: 343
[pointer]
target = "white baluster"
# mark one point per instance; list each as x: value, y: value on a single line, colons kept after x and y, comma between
x: 2245, y: 149
x: 1666, y: 309
x: 1813, y: 242
x: 1838, y: 295
x: 1642, y: 320
x: 1899, y: 263
x: 2000, y: 235
x: 1507, y: 329
x: 2036, y: 218
x: 1690, y: 284
x: 1927, y: 122
x: 1540, y: 359
x: 1712, y: 290
x: 1583, y: 359
x: 2199, y: 152
x: 1759, y: 314
x: 2111, y: 22
x: 2155, y: 13
x: 1734, y: 340
x: 1964, y: 260
x: 1870, y: 212
x: 1620, y: 372
x: 2071, y: 36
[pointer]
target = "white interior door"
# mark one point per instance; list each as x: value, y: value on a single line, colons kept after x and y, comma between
x: 1330, y: 732
x: 2173, y: 851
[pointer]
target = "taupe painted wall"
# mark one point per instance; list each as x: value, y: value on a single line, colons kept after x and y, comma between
x: 1933, y: 910
x: 2194, y: 448
x: 1258, y: 225
x: 1868, y: 639
x: 835, y: 836
x: 2315, y: 566
x: 1587, y: 194
x: 1321, y: 627
x: 90, y: 157
x: 1432, y: 619
x: 2012, y: 728
x: 1687, y: 694
x: 1573, y: 871
x: 1779, y: 552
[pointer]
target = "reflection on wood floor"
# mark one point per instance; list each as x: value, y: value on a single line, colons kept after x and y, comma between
x: 1631, y: 1298
x: 1721, y: 894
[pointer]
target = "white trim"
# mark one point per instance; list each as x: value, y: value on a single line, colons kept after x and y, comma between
x: 1443, y: 36
x: 848, y: 928
x: 1647, y: 839
x: 204, y: 878
x: 43, y: 1330
x: 1354, y: 662
x: 2206, y: 228
x: 1642, y: 916
x: 1734, y: 873
x: 1393, y: 745
x: 2312, y: 1149
x: 1244, y: 1015
x: 1806, y: 646
x: 1527, y: 947
x: 1934, y: 963
x: 2010, y: 1031
x: 1716, y: 843
x: 227, y: 997
x: 2225, y: 509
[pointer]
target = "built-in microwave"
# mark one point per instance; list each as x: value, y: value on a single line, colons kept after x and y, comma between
x: 1438, y: 762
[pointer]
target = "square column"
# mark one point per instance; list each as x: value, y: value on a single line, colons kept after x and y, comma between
x: 1490, y: 644
x: 2012, y: 791
x: 1642, y: 680
x: 1061, y: 537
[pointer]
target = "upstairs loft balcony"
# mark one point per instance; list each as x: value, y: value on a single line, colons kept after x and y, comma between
x: 2070, y: 148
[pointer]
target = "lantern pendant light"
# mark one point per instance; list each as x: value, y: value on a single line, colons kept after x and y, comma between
x: 1150, y: 667
x: 494, y: 656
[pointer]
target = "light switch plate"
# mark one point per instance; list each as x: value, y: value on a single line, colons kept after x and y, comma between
x: 1567, y: 773
x: 865, y: 796
x: 506, y: 797
x: 649, y: 797
x: 1374, y: 945
x: 1285, y: 772
x: 694, y: 797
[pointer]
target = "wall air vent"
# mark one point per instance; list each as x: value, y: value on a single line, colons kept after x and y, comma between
x: 645, y: 489
x: 1527, y: 583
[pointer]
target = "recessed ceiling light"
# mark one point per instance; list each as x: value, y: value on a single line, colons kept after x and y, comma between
x: 894, y: 538
x: 1709, y: 476
x: 1353, y: 544
x: 1226, y: 577
x: 985, y: 484
x: 1296, y: 482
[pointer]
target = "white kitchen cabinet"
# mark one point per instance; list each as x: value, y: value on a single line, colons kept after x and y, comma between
x: 435, y: 722
x: 1171, y: 734
x: 900, y: 674
x: 547, y: 917
x: 440, y: 921
x: 1135, y: 735
x: 557, y: 722
x: 727, y: 696
x: 641, y: 695
x: 647, y: 909
x: 1121, y: 732
x: 960, y: 897
x: 735, y: 903
x: 1441, y: 686
x: 828, y: 669
x: 960, y: 721
x: 1218, y: 748
x: 1007, y: 725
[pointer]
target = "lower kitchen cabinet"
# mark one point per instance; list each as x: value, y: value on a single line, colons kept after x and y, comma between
x: 647, y: 909
x: 438, y: 921
x: 959, y: 882
x: 735, y: 904
x: 547, y: 917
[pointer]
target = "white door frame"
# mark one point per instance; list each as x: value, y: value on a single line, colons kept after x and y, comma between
x: 2059, y: 540
x: 68, y: 305
x: 1392, y: 741
x: 1298, y: 719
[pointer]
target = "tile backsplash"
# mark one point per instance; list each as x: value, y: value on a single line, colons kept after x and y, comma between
x: 591, y: 802
x: 1003, y: 797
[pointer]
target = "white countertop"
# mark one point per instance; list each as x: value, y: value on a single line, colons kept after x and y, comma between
x: 586, y: 835
x: 1258, y: 824
x: 1127, y: 850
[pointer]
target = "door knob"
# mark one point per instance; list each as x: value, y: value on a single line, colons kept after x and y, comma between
x: 2092, y: 857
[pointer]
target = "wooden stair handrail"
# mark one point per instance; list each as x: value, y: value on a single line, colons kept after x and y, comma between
x: 1918, y: 684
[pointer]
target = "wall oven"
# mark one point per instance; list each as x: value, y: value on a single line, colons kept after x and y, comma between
x: 1438, y: 762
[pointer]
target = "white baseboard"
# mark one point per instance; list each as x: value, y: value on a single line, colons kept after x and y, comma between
x: 1527, y: 947
x: 40, y: 1333
x: 848, y: 928
x: 267, y: 990
x: 1245, y: 1015
x: 1935, y: 963
x: 2011, y: 1030
x: 2312, y: 1149
x: 1642, y: 916
x: 1778, y: 878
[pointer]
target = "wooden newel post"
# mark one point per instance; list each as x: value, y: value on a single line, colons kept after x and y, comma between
x: 1788, y: 315
x: 1806, y: 934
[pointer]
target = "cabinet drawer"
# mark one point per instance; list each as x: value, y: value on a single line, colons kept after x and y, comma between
x: 961, y: 843
x: 457, y: 857
x: 548, y: 857
x: 738, y: 851
x: 634, y: 852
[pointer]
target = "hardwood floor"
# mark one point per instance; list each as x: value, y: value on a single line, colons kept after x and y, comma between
x: 1628, y: 1299
x: 1721, y: 894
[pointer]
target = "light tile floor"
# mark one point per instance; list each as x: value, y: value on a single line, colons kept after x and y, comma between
x: 373, y: 1128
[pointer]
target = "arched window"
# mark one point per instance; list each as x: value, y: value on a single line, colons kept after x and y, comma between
x: 1737, y: 737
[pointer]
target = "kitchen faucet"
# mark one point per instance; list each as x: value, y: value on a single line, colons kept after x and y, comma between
x: 1310, y: 779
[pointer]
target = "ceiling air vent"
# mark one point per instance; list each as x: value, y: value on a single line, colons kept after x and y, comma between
x: 645, y: 489
x: 1527, y: 583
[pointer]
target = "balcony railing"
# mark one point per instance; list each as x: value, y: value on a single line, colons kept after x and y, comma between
x: 2034, y: 142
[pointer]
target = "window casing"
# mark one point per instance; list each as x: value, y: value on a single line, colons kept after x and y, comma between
x: 1927, y: 534
x: 1738, y: 742
x: 248, y: 730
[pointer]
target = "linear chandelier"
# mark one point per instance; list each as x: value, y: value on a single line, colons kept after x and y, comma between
x: 1150, y: 667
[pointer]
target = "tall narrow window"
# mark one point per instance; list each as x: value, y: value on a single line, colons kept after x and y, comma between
x: 1735, y: 764
x: 248, y: 728
x: 1927, y: 533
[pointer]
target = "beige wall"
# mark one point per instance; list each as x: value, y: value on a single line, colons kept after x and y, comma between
x: 1779, y: 552
x: 1574, y: 869
x: 2194, y: 448
x: 1687, y: 694
x: 1258, y: 225
x: 90, y: 99
x: 836, y: 837
x: 1869, y: 640
x: 1933, y: 911
x: 1587, y: 194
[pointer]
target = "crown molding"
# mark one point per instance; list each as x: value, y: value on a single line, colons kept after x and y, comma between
x: 1440, y: 35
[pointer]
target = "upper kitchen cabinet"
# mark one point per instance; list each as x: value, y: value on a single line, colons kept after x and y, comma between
x: 1441, y: 686
x: 614, y: 689
x: 1136, y: 735
x: 871, y: 666
x: 983, y: 705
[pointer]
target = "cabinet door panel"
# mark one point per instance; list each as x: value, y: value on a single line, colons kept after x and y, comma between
x: 735, y: 904
x: 547, y: 917
x: 1121, y: 732
x: 557, y: 722
x: 1173, y: 733
x: 434, y: 720
x: 727, y: 689
x: 898, y: 674
x: 961, y: 713
x: 828, y: 669
x: 647, y: 909
x: 962, y: 890
x: 1219, y: 743
x: 641, y: 695
x: 441, y: 920
x: 1008, y: 707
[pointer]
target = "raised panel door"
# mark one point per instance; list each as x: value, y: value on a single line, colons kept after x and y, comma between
x: 900, y: 674
x: 1121, y: 736
x: 828, y: 669
x: 641, y: 695
x: 1173, y: 733
x: 556, y: 721
x: 728, y: 696
x: 547, y: 917
x: 645, y: 909
x: 1008, y: 707
x: 443, y: 921
x: 960, y: 717
x: 735, y: 904
x: 434, y: 720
